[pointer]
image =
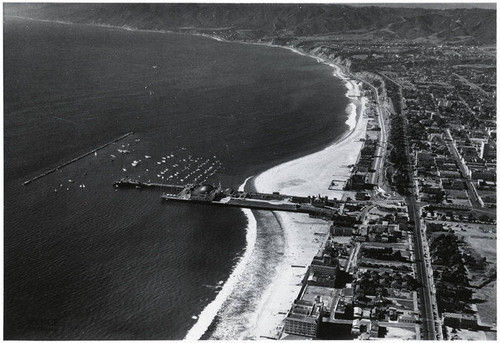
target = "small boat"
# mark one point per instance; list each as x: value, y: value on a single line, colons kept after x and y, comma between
x: 147, y: 156
x: 124, y: 169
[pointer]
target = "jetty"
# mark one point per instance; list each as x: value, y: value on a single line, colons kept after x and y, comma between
x: 76, y: 159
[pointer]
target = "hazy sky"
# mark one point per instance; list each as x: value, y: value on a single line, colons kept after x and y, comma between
x: 489, y: 5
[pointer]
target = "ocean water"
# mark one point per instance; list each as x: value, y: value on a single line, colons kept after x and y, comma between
x: 83, y: 260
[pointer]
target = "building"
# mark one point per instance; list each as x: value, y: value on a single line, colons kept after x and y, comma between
x: 324, y: 264
x: 460, y: 321
x: 361, y: 180
x: 362, y: 196
x: 406, y: 316
x: 304, y: 318
x: 341, y: 230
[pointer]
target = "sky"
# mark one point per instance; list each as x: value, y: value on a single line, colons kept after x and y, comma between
x: 447, y: 5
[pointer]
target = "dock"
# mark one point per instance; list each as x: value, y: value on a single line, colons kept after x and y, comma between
x: 75, y: 159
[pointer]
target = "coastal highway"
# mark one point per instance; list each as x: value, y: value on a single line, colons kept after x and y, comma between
x: 382, y: 148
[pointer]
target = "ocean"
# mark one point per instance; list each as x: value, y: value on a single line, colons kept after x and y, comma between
x: 84, y: 260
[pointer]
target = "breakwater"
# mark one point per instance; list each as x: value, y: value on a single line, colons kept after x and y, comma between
x: 75, y: 159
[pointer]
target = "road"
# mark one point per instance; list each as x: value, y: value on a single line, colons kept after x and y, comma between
x: 473, y: 85
x: 428, y: 313
x: 382, y: 145
x: 426, y: 301
x: 473, y: 196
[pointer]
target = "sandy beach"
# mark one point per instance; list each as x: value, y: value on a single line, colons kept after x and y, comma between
x: 309, y: 175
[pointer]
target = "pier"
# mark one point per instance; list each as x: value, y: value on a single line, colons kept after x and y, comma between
x: 210, y: 195
x: 204, y: 194
x: 75, y: 159
x: 132, y: 183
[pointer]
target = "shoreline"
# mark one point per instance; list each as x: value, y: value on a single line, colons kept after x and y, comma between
x: 281, y: 292
x: 300, y: 244
x: 208, y: 314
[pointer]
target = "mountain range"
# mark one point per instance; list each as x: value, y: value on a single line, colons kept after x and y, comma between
x: 475, y: 25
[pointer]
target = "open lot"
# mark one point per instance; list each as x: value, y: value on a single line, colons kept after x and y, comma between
x: 481, y: 238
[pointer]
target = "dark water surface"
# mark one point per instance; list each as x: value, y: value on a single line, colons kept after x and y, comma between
x: 86, y: 261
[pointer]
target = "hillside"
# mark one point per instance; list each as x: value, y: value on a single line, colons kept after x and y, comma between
x: 279, y: 20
